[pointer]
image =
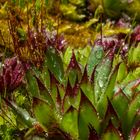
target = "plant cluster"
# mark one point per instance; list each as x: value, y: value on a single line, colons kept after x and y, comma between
x: 52, y: 91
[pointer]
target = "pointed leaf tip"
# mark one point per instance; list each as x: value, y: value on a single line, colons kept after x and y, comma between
x: 85, y: 77
x: 92, y: 133
x: 73, y: 62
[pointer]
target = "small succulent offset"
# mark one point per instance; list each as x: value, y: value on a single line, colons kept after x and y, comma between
x: 12, y: 74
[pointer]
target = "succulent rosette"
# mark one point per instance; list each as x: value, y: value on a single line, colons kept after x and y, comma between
x: 12, y: 74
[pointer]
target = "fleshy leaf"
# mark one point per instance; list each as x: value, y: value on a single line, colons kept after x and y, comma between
x: 122, y: 72
x: 22, y: 114
x: 120, y: 103
x: 54, y: 63
x: 87, y: 115
x: 101, y: 77
x: 53, y: 87
x: 32, y: 85
x: 137, y: 136
x: 44, y: 92
x: 44, y: 113
x: 70, y: 122
x: 93, y: 134
x: 95, y: 57
x: 72, y: 97
x: 87, y: 87
x: 110, y: 115
x: 45, y: 77
x: 111, y: 133
x: 130, y: 118
x: 111, y: 83
x: 102, y: 105
x: 73, y: 70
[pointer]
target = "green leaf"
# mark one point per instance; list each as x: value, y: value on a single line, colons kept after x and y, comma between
x: 111, y: 133
x: 32, y: 85
x: 111, y: 83
x: 72, y: 97
x: 110, y: 115
x: 44, y: 113
x: 73, y: 71
x: 22, y: 114
x: 101, y: 78
x: 137, y: 136
x: 130, y: 118
x: 101, y: 106
x: 122, y: 72
x: 133, y: 55
x: 87, y: 116
x: 45, y: 77
x: 95, y: 57
x: 129, y: 86
x: 70, y: 122
x: 120, y: 103
x: 54, y: 63
x: 87, y: 87
x: 67, y: 56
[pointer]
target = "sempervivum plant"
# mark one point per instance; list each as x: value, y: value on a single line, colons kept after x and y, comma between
x: 12, y: 74
x: 87, y: 103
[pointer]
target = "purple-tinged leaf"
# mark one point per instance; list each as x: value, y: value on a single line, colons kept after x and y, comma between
x: 130, y: 87
x: 131, y: 116
x: 72, y: 97
x: 87, y: 115
x: 137, y: 135
x: 134, y: 134
x: 45, y: 113
x: 112, y: 133
x: 58, y: 101
x: 69, y: 122
x: 110, y: 115
x: 73, y: 63
x: 53, y: 87
x: 87, y: 87
x: 44, y: 92
x: 12, y: 74
x: 73, y: 70
x: 93, y: 134
x: 120, y: 103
